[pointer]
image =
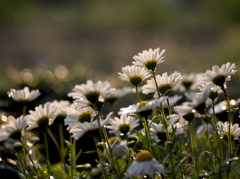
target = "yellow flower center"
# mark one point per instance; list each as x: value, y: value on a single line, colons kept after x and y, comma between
x: 115, y: 140
x: 43, y: 122
x: 85, y: 117
x: 165, y: 89
x: 143, y: 156
x: 92, y: 96
x: 151, y: 64
x: 141, y: 104
x: 136, y: 79
x: 124, y: 128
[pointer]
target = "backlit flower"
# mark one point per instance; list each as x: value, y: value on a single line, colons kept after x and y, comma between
x: 79, y: 115
x: 218, y: 76
x: 143, y: 106
x: 223, y: 129
x: 82, y: 128
x: 41, y: 116
x: 119, y: 93
x: 144, y: 165
x: 123, y: 125
x: 133, y: 74
x: 23, y: 95
x: 93, y: 92
x: 14, y: 129
x: 149, y: 59
x: 165, y: 83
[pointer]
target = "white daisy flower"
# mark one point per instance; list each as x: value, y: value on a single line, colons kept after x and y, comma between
x: 164, y: 83
x: 218, y: 76
x: 14, y: 129
x: 23, y: 95
x: 82, y: 128
x: 223, y: 129
x: 119, y: 147
x: 123, y: 125
x: 93, y: 92
x: 41, y: 117
x: 77, y: 116
x: 133, y: 74
x: 149, y: 59
x: 199, y: 101
x: 158, y: 132
x: 119, y: 93
x: 144, y: 165
x: 142, y: 106
x: 189, y: 82
x: 184, y: 112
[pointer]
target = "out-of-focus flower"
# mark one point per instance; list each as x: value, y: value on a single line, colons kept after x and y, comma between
x: 218, y: 76
x: 135, y: 75
x: 172, y: 100
x: 165, y: 83
x: 118, y: 93
x: 60, y: 110
x: 158, y: 132
x: 222, y: 106
x: 142, y: 106
x: 41, y: 117
x: 82, y: 128
x: 149, y: 59
x: 123, y: 125
x: 93, y: 92
x: 223, y: 129
x: 119, y: 147
x: 144, y: 165
x: 77, y: 116
x: 23, y: 95
x: 189, y: 82
x: 14, y: 129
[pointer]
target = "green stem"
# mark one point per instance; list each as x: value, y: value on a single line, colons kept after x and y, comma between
x: 137, y: 93
x: 229, y: 123
x: 169, y: 107
x: 154, y: 78
x: 219, y: 140
x: 47, y: 154
x: 58, y: 148
x: 22, y: 166
x: 193, y: 148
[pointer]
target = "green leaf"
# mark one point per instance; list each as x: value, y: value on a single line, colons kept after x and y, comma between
x: 234, y: 167
x: 142, y: 139
x: 78, y: 154
x: 234, y: 110
x: 180, y: 164
x: 122, y: 163
x: 90, y: 152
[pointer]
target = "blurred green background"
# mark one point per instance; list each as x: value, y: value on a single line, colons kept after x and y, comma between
x: 64, y: 42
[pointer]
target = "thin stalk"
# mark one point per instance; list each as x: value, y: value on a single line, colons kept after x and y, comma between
x: 22, y: 166
x: 219, y: 140
x: 229, y: 123
x: 169, y: 107
x: 58, y: 148
x: 193, y: 148
x: 154, y: 78
x: 137, y: 93
x: 47, y: 154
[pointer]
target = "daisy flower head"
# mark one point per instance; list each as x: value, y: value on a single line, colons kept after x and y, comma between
x: 165, y: 83
x: 60, y: 110
x: 184, y: 111
x: 123, y: 125
x: 144, y: 165
x: 144, y: 107
x: 85, y: 127
x: 118, y: 93
x: 149, y: 59
x: 218, y: 76
x: 119, y: 147
x: 199, y: 101
x: 14, y: 129
x: 92, y: 92
x: 23, y: 95
x: 135, y: 75
x: 79, y: 115
x: 222, y: 106
x: 41, y: 117
x: 189, y: 82
x: 158, y: 132
x: 224, y: 130
x: 172, y: 100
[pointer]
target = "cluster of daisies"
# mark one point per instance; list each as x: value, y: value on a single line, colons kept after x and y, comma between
x: 155, y: 137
